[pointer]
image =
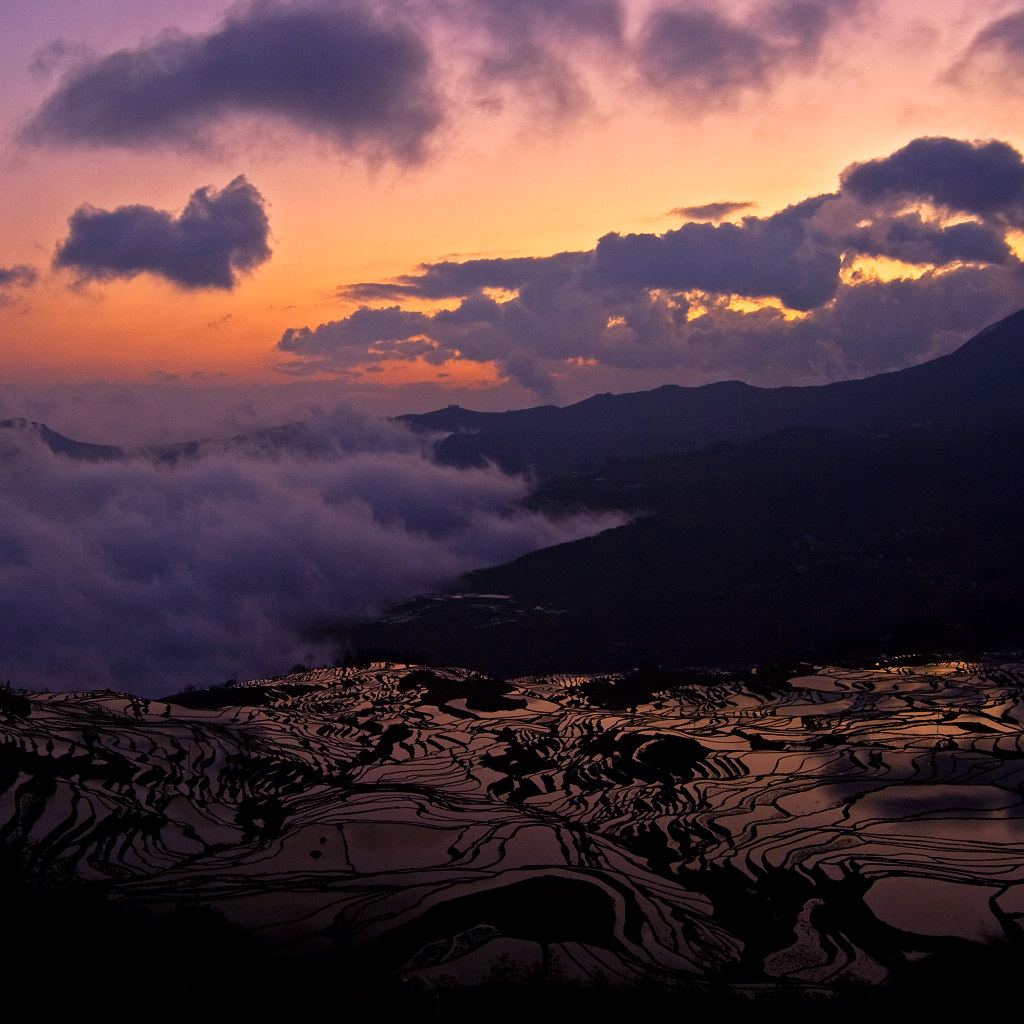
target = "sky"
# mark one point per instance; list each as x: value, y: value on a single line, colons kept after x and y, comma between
x: 217, y: 216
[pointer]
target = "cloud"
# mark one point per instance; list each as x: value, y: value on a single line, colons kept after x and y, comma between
x: 701, y: 52
x: 702, y: 56
x: 871, y: 326
x: 983, y: 178
x: 995, y: 52
x: 798, y: 28
x: 451, y: 280
x: 710, y: 211
x: 19, y: 276
x: 143, y: 577
x: 912, y: 239
x: 51, y: 55
x: 522, y: 44
x: 775, y: 255
x: 381, y: 78
x: 218, y: 236
x: 549, y: 319
x: 680, y: 300
x: 365, y: 336
x: 340, y: 71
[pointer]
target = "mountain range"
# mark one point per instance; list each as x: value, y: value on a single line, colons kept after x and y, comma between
x: 867, y: 516
x: 976, y: 387
x: 871, y: 515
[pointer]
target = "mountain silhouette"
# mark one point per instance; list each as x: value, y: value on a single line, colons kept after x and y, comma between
x: 61, y: 445
x: 976, y: 387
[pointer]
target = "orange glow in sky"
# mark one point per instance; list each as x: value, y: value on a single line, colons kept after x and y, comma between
x: 607, y: 135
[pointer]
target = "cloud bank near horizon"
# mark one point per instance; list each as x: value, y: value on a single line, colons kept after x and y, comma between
x: 788, y: 297
x: 148, y: 578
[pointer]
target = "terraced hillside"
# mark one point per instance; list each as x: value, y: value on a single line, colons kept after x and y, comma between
x: 809, y: 827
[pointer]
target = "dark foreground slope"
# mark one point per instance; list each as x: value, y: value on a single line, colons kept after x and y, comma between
x: 895, y: 531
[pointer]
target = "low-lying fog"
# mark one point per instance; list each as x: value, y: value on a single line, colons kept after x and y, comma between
x: 149, y: 577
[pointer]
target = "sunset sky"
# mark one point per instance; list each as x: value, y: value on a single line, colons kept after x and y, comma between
x: 492, y: 202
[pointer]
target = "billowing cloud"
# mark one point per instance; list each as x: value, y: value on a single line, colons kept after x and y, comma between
x: 338, y: 70
x: 681, y: 300
x: 775, y: 255
x: 18, y: 276
x: 146, y: 577
x: 912, y: 239
x: 216, y: 237
x: 702, y: 55
x: 868, y: 326
x: 984, y: 178
x: 871, y: 326
x: 367, y: 335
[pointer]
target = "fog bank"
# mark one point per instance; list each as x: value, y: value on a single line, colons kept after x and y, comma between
x: 149, y: 577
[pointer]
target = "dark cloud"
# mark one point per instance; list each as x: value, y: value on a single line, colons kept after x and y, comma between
x: 701, y: 51
x: 19, y: 276
x: 701, y: 55
x: 666, y: 301
x: 147, y: 578
x: 798, y: 28
x: 553, y: 320
x: 452, y: 280
x: 365, y: 336
x: 710, y: 211
x: 912, y: 239
x: 868, y: 326
x: 216, y: 237
x: 522, y: 44
x: 379, y: 77
x: 871, y: 326
x: 995, y: 51
x: 778, y: 255
x: 984, y: 178
x: 875, y: 326
x: 337, y: 70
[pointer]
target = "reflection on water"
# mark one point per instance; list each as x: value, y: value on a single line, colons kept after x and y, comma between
x: 817, y: 829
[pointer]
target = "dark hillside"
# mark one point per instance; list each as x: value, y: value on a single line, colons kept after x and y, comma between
x: 808, y: 543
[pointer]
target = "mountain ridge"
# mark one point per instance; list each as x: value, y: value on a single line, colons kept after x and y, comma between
x: 978, y: 386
